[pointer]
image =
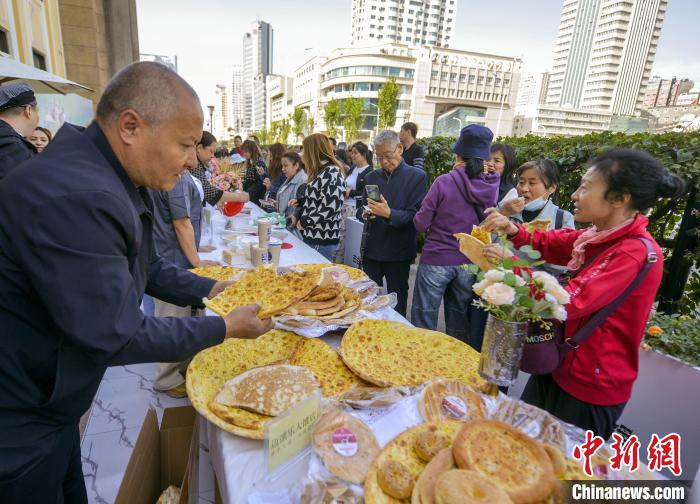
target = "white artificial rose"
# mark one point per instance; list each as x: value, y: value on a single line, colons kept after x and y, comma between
x: 559, y: 313
x: 548, y: 297
x: 495, y: 275
x: 499, y: 294
x: 480, y: 286
x: 559, y: 293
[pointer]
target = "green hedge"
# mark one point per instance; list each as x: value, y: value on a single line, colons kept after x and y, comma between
x: 680, y: 152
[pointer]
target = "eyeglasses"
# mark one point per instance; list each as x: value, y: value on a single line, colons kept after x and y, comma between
x: 386, y: 156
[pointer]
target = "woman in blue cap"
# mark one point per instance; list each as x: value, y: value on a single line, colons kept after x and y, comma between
x: 455, y: 202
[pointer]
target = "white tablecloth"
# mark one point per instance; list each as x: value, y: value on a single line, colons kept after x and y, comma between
x: 239, y: 462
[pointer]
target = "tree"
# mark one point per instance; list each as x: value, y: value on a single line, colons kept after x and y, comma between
x: 331, y: 114
x: 285, y: 129
x: 352, y: 120
x: 274, y: 131
x: 300, y: 121
x: 387, y: 103
x: 310, y: 124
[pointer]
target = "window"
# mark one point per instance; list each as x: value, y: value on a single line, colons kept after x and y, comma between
x: 434, y: 74
x: 453, y: 77
x: 443, y: 75
x: 39, y: 60
x: 4, y: 42
x: 462, y: 78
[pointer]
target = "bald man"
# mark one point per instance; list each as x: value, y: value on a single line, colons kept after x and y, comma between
x: 76, y: 256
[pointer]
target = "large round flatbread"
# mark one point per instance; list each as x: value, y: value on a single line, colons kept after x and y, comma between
x: 401, y: 449
x: 394, y: 354
x: 268, y: 390
x: 459, y: 486
x: 264, y: 286
x: 333, y: 375
x: 473, y: 249
x: 450, y: 400
x: 213, y: 367
x: 220, y: 273
x: 424, y: 491
x: 346, y: 445
x: 503, y: 453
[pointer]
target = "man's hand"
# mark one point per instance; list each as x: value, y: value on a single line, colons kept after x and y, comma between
x: 218, y: 288
x: 244, y: 323
x: 293, y: 203
x: 379, y: 208
x: 512, y: 206
x: 499, y: 223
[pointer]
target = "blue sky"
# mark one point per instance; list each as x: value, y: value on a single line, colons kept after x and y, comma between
x: 206, y: 35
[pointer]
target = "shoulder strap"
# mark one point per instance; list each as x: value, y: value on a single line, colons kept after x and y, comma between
x: 584, y: 332
x: 559, y: 219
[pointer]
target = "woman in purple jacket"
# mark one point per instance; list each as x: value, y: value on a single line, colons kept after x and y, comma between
x: 455, y: 202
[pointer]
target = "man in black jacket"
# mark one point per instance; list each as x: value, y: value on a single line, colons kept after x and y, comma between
x: 19, y: 117
x: 76, y: 255
x: 412, y: 152
x: 391, y: 242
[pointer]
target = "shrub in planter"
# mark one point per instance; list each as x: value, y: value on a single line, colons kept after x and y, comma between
x: 675, y: 335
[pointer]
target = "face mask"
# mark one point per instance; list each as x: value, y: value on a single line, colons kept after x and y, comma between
x: 536, y: 204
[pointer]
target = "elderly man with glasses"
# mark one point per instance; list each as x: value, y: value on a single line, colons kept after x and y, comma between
x: 391, y: 241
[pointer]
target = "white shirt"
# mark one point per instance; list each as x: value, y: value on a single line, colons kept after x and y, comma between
x: 351, y: 183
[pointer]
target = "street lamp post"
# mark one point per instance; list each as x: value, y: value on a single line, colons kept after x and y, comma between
x: 211, y: 117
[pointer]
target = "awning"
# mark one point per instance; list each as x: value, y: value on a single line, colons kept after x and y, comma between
x: 41, y: 81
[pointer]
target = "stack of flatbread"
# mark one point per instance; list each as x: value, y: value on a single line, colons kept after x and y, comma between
x: 324, y: 303
x: 272, y: 291
x: 472, y: 245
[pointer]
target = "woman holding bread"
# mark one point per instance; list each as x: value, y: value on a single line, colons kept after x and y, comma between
x: 594, y: 382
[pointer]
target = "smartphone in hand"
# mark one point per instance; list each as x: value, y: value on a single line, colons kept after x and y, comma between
x: 373, y: 192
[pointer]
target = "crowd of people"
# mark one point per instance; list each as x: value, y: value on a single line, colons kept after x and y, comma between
x: 110, y: 214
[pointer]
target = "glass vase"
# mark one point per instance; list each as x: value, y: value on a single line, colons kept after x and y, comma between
x: 501, y: 351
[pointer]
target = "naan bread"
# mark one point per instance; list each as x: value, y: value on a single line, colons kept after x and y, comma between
x: 424, y: 491
x: 392, y: 354
x: 326, y: 364
x: 269, y: 390
x: 538, y: 225
x: 450, y: 400
x: 508, y: 457
x: 400, y: 449
x: 263, y: 285
x: 458, y: 486
x: 346, y: 445
x: 473, y: 249
x: 213, y: 367
x: 481, y: 234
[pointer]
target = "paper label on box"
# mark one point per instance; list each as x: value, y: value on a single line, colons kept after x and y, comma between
x: 344, y: 442
x: 288, y: 435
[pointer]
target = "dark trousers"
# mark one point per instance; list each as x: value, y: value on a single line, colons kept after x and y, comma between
x: 57, y: 478
x: 542, y: 391
x: 396, y: 274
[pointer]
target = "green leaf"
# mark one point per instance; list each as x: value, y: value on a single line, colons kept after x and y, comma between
x: 508, y: 263
x: 538, y: 263
x: 509, y: 279
x: 535, y: 254
x: 522, y: 263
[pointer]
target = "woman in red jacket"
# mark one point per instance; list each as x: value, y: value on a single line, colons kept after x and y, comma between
x: 594, y: 382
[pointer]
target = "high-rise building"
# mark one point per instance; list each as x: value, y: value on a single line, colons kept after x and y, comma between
x: 222, y: 113
x: 414, y: 22
x: 238, y: 109
x: 665, y: 92
x: 169, y: 61
x: 531, y: 92
x: 257, y: 64
x: 604, y: 54
x: 278, y: 91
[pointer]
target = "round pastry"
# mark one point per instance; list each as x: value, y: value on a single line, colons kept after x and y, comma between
x: 450, y: 400
x: 507, y: 456
x: 428, y: 444
x: 458, y: 486
x: 395, y: 479
x: 424, y: 490
x: 345, y: 444
x: 557, y: 458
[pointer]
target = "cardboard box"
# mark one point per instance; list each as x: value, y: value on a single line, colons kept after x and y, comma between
x: 163, y: 456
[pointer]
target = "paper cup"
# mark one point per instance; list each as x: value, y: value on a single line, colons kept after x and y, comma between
x: 259, y: 255
x: 264, y: 231
x: 275, y: 248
